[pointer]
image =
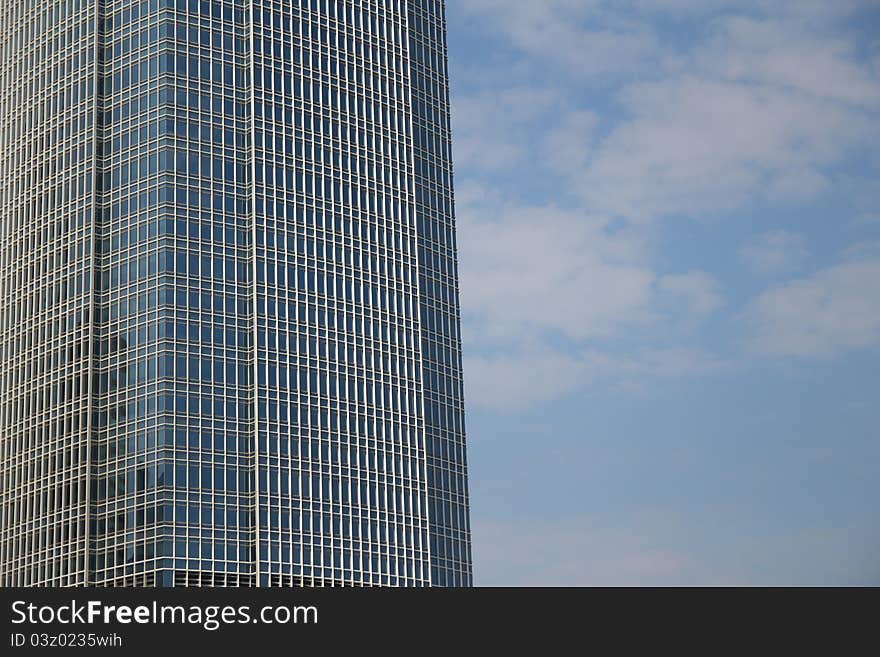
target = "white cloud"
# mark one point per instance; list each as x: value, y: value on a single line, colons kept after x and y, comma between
x: 862, y: 250
x: 774, y: 252
x: 531, y: 269
x: 620, y: 132
x: 579, y: 38
x: 531, y: 276
x: 697, y: 290
x: 783, y: 54
x: 697, y: 145
x: 532, y: 374
x: 759, y: 108
x: 520, y: 379
x: 801, y: 10
x: 494, y: 130
x: 797, y: 185
x: 654, y: 363
x: 834, y: 310
x: 590, y: 130
x: 568, y: 143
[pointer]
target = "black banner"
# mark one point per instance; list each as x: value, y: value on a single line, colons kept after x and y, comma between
x: 412, y: 620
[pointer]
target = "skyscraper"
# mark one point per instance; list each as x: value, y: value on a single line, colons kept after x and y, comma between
x: 229, y: 321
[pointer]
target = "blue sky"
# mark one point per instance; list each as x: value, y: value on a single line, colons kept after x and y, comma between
x: 669, y: 233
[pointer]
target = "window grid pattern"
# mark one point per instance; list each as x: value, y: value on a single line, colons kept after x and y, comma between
x: 174, y: 450
x: 438, y: 287
x: 230, y: 350
x: 47, y: 128
x: 342, y: 488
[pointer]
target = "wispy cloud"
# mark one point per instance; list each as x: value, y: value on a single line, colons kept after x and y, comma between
x: 532, y: 276
x: 571, y: 177
x: 660, y: 202
x: 521, y: 378
x: 579, y: 38
x: 696, y: 295
x: 494, y: 131
x: 698, y: 144
x: 774, y: 252
x: 527, y: 269
x: 834, y: 310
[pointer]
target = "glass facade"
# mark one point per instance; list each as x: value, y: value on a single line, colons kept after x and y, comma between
x: 230, y: 332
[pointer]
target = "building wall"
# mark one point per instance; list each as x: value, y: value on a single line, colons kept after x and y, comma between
x: 264, y: 385
x: 341, y: 487
x: 174, y: 449
x: 47, y: 199
x: 439, y: 299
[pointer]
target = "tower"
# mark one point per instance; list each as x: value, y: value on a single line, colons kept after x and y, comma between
x: 229, y: 304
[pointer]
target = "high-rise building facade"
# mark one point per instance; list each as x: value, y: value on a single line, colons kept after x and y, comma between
x: 229, y: 321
